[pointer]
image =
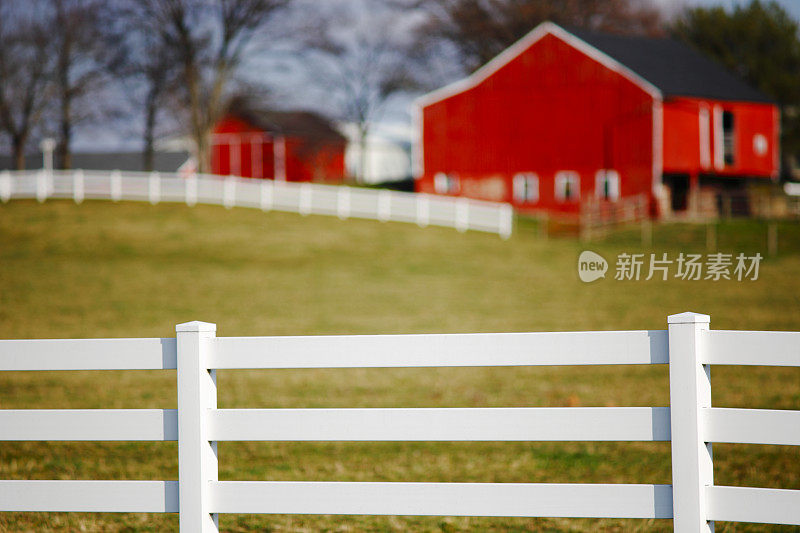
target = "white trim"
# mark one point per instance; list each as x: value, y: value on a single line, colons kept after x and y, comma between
x: 612, y: 177
x: 719, y: 148
x: 704, y: 129
x: 515, y: 50
x: 444, y: 183
x: 525, y: 187
x: 561, y: 179
x: 417, y: 146
x: 776, y: 143
x: 658, y: 145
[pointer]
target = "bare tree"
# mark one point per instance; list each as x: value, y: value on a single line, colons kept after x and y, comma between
x: 209, y: 39
x: 481, y: 29
x: 145, y: 63
x: 80, y: 66
x: 25, y: 70
x: 360, y: 54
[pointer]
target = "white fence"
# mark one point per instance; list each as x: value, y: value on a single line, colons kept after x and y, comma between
x: 305, y: 198
x: 691, y: 424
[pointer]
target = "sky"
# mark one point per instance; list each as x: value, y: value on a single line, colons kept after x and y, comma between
x: 396, y: 114
x: 791, y: 6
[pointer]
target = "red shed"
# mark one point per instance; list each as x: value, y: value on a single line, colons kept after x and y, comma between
x: 279, y: 145
x: 565, y: 116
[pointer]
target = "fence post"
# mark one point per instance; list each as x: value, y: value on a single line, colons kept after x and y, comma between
x: 384, y: 205
x: 266, y: 194
x: 229, y: 192
x: 5, y: 186
x: 543, y: 224
x: 506, y: 221
x: 690, y: 393
x: 190, y: 191
x: 772, y: 238
x: 77, y: 186
x: 462, y: 214
x: 711, y: 236
x: 343, y: 203
x: 197, y: 456
x: 304, y: 206
x: 647, y: 232
x: 423, y: 210
x: 116, y: 185
x: 41, y: 187
x: 154, y: 188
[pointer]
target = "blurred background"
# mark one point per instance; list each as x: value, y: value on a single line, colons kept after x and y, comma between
x: 619, y: 126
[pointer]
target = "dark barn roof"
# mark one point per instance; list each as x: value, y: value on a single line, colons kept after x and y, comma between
x: 673, y: 67
x: 130, y: 161
x: 306, y: 124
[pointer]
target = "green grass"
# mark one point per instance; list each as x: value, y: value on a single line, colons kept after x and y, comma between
x: 134, y: 270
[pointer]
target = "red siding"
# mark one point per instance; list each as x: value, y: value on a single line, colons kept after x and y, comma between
x: 559, y: 105
x: 241, y: 145
x: 551, y: 108
x: 683, y: 142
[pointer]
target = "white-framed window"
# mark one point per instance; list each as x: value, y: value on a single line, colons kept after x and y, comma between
x: 568, y: 186
x: 606, y: 184
x: 526, y: 188
x: 444, y: 183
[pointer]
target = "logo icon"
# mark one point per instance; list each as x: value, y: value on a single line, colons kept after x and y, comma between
x: 591, y: 266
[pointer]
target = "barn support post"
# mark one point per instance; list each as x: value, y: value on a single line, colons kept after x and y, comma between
x: 690, y: 395
x: 694, y: 195
x: 279, y: 158
x: 197, y: 456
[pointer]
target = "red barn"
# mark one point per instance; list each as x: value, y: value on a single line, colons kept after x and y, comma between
x: 566, y: 116
x: 277, y: 145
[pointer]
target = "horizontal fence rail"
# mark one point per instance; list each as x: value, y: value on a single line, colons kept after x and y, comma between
x: 89, y: 496
x: 88, y: 354
x: 451, y: 424
x: 452, y: 350
x: 690, y: 424
x: 462, y: 214
x: 751, y: 426
x: 89, y: 424
x: 461, y: 499
x: 766, y: 348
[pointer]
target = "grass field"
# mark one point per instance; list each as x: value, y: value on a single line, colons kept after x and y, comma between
x: 135, y: 270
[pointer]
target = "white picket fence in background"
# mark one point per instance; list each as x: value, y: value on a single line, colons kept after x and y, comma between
x: 463, y: 214
x: 691, y: 424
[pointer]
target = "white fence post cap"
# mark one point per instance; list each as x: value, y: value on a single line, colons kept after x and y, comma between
x: 196, y: 326
x: 688, y: 318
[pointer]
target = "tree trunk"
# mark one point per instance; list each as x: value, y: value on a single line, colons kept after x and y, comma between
x: 18, y: 144
x: 63, y: 149
x: 148, y: 156
x: 362, y: 153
